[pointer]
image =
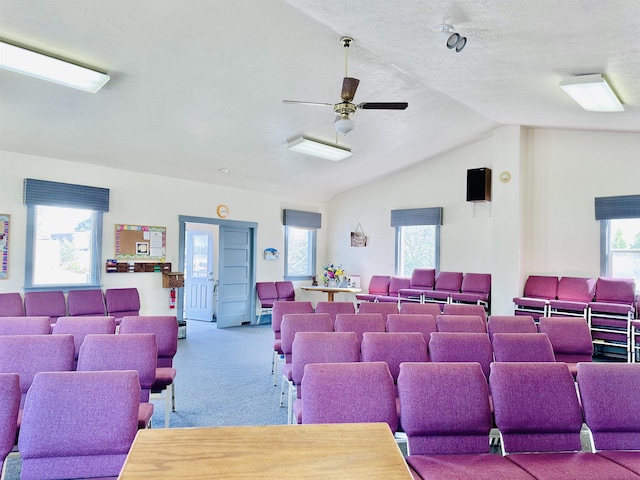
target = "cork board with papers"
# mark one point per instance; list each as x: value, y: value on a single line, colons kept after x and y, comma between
x: 140, y: 242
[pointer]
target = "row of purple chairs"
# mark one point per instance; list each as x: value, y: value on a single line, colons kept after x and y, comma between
x: 116, y: 302
x: 425, y: 286
x: 73, y: 424
x: 271, y: 292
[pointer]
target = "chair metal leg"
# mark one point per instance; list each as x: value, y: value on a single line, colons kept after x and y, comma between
x: 284, y: 380
x: 167, y: 405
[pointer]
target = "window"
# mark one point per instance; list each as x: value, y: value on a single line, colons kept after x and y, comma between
x: 620, y: 236
x: 300, y: 244
x: 417, y: 239
x: 64, y: 235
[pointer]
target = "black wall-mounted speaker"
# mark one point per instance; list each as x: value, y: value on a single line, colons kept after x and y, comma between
x: 478, y: 185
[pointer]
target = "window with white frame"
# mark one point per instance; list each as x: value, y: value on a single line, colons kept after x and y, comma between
x: 417, y: 239
x: 64, y: 235
x: 619, y: 236
x: 300, y: 243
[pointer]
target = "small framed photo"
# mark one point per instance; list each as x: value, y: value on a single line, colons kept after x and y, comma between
x: 142, y: 248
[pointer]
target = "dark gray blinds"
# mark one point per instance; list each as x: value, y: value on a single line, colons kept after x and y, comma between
x: 416, y: 216
x: 298, y: 218
x: 625, y: 206
x: 42, y: 192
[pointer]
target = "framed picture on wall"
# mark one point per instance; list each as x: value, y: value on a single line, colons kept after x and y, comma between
x: 5, y: 221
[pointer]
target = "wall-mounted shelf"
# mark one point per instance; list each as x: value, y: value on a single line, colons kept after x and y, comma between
x: 134, y: 267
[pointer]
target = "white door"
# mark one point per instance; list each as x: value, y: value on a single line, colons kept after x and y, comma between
x: 199, y: 281
x: 235, y: 289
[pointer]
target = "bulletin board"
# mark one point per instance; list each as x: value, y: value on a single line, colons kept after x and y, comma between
x: 140, y: 242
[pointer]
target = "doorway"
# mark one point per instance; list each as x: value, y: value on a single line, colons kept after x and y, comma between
x: 222, y: 283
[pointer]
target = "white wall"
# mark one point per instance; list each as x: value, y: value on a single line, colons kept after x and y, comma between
x: 143, y: 199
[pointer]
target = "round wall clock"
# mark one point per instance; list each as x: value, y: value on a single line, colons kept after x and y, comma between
x: 222, y: 211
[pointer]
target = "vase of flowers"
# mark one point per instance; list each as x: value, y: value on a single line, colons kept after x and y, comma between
x: 332, y: 275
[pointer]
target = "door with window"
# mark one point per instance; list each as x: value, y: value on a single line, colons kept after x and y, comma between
x: 199, y: 279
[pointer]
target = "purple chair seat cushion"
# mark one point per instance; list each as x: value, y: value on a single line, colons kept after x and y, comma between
x: 608, y: 307
x: 387, y: 298
x: 145, y: 412
x: 469, y: 297
x: 366, y: 297
x: 570, y: 465
x: 481, y: 466
x: 629, y: 460
x: 568, y: 305
x: 531, y: 302
x: 438, y: 294
x: 164, y: 376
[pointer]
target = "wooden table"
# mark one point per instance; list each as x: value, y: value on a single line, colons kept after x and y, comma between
x: 333, y: 451
x: 331, y: 290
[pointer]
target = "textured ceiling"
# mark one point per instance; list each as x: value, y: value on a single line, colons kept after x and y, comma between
x: 197, y: 85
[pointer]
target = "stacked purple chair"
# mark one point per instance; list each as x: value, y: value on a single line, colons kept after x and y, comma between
x: 422, y: 280
x: 25, y: 325
x: 446, y: 415
x: 539, y: 290
x: 447, y: 284
x: 570, y: 339
x: 80, y: 327
x: 78, y: 424
x: 463, y: 309
x: 383, y: 308
x: 475, y: 289
x: 10, y: 395
x: 124, y: 352
x: 403, y: 322
x: 360, y: 323
x: 537, y: 411
x: 286, y: 291
x: 292, y: 323
x: 280, y: 309
x: 11, y: 305
x: 522, y: 347
x: 86, y: 303
x: 45, y: 304
x: 395, y: 285
x: 611, y: 313
x: 267, y: 295
x: 511, y: 324
x: 378, y: 286
x: 355, y: 392
x: 334, y: 308
x: 319, y: 347
x: 165, y: 328
x: 461, y: 323
x: 610, y: 396
x: 121, y: 302
x: 453, y: 347
x: 421, y: 308
x: 574, y: 295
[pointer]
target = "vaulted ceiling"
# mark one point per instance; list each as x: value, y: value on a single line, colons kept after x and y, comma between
x: 197, y: 85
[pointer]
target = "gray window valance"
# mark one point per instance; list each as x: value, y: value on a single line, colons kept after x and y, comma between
x: 56, y: 194
x: 416, y: 216
x: 625, y: 206
x: 298, y: 218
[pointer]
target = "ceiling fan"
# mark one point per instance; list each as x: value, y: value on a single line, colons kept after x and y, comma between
x: 343, y: 123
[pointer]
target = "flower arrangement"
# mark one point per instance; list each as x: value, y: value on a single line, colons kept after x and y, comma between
x: 332, y: 273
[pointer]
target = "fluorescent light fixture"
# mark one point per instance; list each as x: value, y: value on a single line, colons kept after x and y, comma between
x: 592, y: 92
x: 43, y: 67
x: 315, y: 148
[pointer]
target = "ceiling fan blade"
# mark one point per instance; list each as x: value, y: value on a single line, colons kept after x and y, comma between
x: 349, y: 87
x: 315, y: 104
x: 383, y: 105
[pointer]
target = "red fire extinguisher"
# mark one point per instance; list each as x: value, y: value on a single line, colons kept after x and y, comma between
x: 172, y: 298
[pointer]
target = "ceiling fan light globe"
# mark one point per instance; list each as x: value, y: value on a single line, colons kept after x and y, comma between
x: 461, y: 44
x: 344, y: 125
x: 453, y: 40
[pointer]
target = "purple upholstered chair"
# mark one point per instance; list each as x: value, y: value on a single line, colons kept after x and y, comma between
x: 27, y: 355
x: 78, y: 424
x: 393, y: 349
x: 280, y: 309
x: 570, y: 339
x: 25, y: 325
x: 447, y: 283
x: 355, y: 392
x: 49, y: 304
x: 462, y: 309
x: 404, y: 322
x: 85, y: 303
x: 461, y: 323
x: 360, y: 323
x: 610, y: 394
x: 165, y: 328
x: 121, y: 302
x: 292, y: 323
x: 511, y: 324
x: 11, y: 305
x: 383, y: 308
x: 446, y: 415
x: 538, y: 291
x: 320, y: 347
x: 453, y: 347
x: 124, y: 352
x: 10, y: 400
x: 267, y: 294
x: 378, y: 285
x: 422, y: 280
x: 537, y: 411
x: 334, y: 308
x: 574, y: 295
x: 522, y: 347
x: 80, y: 327
x: 475, y: 288
x: 286, y: 291
x: 395, y: 285
x: 421, y: 308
